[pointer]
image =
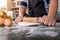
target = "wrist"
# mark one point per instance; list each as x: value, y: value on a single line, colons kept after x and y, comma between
x: 20, y: 16
x: 51, y: 16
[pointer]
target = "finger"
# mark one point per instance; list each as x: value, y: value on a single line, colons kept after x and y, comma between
x: 54, y: 23
x: 46, y: 21
x: 17, y: 20
x: 39, y: 20
x: 50, y: 23
x: 43, y: 19
x: 44, y: 16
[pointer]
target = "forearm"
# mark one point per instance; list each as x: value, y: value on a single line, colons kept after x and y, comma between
x: 23, y: 7
x: 22, y: 11
x: 53, y: 7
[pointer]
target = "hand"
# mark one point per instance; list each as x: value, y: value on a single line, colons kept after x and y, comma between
x: 18, y: 19
x: 46, y: 20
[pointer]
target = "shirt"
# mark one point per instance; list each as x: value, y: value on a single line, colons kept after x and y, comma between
x: 38, y: 4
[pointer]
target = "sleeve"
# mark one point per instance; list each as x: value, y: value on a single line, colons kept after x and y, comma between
x: 23, y: 3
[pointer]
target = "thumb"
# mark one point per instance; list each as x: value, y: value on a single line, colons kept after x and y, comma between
x: 39, y: 20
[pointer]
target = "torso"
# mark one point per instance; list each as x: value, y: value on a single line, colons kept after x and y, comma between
x: 36, y: 8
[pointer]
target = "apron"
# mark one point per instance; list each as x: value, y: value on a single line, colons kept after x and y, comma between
x: 36, y: 8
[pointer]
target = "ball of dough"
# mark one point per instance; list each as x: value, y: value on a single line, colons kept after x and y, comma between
x: 1, y: 21
x: 8, y: 22
x: 3, y: 14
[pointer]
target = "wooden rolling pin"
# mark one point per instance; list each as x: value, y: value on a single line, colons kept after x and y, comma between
x: 30, y: 19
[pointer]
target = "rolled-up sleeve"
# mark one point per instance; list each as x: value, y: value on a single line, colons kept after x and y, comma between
x: 23, y: 3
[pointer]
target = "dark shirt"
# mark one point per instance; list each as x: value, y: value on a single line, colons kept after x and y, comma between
x: 36, y: 8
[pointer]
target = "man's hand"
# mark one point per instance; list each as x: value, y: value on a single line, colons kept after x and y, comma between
x: 18, y: 19
x: 46, y: 20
